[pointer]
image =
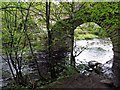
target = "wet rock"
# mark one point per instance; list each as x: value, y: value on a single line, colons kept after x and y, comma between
x: 107, y: 69
x: 107, y: 81
x: 93, y: 64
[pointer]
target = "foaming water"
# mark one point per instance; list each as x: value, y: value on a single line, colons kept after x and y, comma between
x: 99, y: 50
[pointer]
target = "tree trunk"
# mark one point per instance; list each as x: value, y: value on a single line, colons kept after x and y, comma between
x: 72, y: 38
x: 52, y: 70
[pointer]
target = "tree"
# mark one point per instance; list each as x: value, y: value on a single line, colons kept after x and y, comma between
x: 52, y: 71
x: 12, y: 42
x: 16, y: 39
x: 72, y: 38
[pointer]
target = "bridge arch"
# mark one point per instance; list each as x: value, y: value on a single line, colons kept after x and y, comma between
x: 63, y: 29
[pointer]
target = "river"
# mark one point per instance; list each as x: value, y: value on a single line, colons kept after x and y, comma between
x: 99, y: 50
x: 96, y: 50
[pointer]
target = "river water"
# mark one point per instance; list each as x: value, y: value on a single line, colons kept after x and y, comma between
x: 96, y: 50
x: 99, y: 50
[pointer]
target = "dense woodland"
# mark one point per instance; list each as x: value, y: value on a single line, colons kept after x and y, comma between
x: 42, y: 35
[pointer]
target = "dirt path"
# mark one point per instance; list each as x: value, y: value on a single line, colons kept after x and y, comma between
x: 79, y: 81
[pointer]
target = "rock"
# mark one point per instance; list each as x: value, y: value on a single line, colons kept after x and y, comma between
x: 107, y: 81
x: 92, y: 64
x: 95, y: 66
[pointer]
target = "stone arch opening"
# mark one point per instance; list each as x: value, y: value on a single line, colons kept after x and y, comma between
x: 98, y: 49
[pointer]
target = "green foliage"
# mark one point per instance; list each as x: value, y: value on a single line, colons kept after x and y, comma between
x: 85, y: 36
x: 14, y: 86
x: 70, y: 70
x: 89, y: 31
x: 82, y: 68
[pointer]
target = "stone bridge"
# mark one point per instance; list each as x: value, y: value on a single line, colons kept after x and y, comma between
x: 108, y: 21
